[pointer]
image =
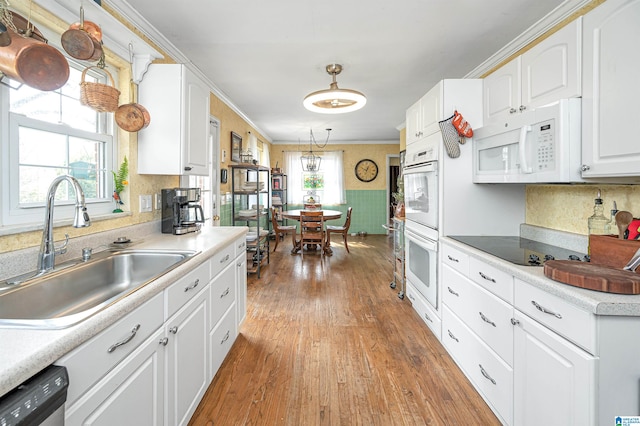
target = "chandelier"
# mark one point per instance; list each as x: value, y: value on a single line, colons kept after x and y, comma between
x: 310, y: 161
x: 334, y: 100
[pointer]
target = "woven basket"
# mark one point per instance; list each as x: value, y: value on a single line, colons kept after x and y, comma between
x: 101, y: 97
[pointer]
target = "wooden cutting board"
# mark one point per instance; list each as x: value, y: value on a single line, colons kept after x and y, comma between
x: 593, y: 277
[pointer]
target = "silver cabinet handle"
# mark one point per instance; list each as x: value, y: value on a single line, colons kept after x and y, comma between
x: 584, y: 168
x: 485, y: 374
x: 487, y: 277
x: 515, y: 321
x: 224, y: 293
x: 126, y: 340
x: 428, y: 318
x: 192, y: 286
x: 452, y: 292
x: 164, y: 341
x: 239, y: 264
x: 512, y: 110
x: 522, y: 108
x: 224, y: 259
x: 225, y: 338
x: 545, y: 310
x: 453, y: 259
x: 487, y: 320
x: 242, y: 245
x: 174, y: 329
x: 411, y: 297
x: 452, y: 336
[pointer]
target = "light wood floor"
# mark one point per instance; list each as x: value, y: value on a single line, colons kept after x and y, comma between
x: 329, y: 343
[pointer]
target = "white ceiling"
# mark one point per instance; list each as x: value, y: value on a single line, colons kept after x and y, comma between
x: 266, y: 56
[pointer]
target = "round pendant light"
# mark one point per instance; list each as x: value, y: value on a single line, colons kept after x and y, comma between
x: 334, y: 100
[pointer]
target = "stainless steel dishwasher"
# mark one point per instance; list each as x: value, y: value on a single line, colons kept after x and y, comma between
x: 38, y: 401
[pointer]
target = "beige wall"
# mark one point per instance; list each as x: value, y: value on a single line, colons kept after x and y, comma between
x: 352, y: 154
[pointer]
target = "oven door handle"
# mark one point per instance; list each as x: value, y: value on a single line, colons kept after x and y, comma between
x: 421, y: 241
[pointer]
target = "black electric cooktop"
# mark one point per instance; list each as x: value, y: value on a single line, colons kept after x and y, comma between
x: 520, y: 251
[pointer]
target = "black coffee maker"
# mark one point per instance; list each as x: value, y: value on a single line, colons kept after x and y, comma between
x: 181, y: 212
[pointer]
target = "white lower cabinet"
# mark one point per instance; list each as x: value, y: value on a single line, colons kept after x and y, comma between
x: 153, y: 366
x: 554, y: 381
x: 186, y: 359
x: 130, y: 394
x: 424, y: 309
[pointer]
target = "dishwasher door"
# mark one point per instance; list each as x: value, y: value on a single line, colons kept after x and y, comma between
x: 38, y: 401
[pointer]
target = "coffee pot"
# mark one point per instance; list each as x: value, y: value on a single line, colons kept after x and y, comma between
x: 181, y: 211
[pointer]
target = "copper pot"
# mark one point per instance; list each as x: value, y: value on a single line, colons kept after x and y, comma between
x: 30, y: 60
x: 83, y: 40
x: 132, y: 116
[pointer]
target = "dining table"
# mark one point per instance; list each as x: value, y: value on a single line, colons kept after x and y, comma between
x: 295, y: 215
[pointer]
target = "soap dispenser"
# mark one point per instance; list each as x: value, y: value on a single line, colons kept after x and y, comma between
x: 598, y: 223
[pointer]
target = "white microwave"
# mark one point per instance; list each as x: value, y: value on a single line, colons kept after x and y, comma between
x: 538, y: 146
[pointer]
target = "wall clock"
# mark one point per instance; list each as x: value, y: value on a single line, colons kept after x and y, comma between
x: 366, y: 170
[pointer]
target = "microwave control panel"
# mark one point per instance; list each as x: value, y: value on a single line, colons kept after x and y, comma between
x: 544, y: 139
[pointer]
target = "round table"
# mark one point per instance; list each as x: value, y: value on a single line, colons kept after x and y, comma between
x: 295, y: 215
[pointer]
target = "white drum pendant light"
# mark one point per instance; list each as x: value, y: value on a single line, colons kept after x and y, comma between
x: 334, y: 100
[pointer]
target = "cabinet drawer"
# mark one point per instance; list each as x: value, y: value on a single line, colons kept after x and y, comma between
x: 222, y: 259
x: 240, y: 245
x: 92, y: 360
x: 455, y: 259
x: 575, y: 324
x: 488, y: 316
x: 489, y: 374
x: 223, y: 293
x: 184, y: 289
x: 221, y: 339
x: 496, y: 281
x: 424, y: 309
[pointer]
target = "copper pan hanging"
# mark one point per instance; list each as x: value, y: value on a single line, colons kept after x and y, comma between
x: 132, y: 116
x: 83, y: 40
x: 29, y: 59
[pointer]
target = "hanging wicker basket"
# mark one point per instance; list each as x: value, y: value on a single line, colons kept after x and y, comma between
x: 101, y: 97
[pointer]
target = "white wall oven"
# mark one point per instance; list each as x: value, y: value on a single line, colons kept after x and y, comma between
x: 421, y: 260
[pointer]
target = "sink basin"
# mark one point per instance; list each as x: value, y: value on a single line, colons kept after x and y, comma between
x: 64, y: 298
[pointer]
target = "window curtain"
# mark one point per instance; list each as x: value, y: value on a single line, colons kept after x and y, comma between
x: 332, y: 171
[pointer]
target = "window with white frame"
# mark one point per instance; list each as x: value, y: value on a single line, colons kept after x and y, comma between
x: 46, y: 134
x: 327, y: 183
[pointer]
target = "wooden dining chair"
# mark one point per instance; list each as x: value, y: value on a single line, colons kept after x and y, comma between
x: 280, y: 230
x: 312, y: 230
x: 344, y: 230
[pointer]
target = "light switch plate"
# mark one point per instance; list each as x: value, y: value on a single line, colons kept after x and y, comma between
x: 145, y: 204
x: 158, y: 201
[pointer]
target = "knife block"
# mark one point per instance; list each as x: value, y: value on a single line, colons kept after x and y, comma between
x: 609, y: 250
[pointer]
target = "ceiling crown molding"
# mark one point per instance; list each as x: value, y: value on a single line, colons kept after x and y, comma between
x: 553, y: 18
x: 132, y: 16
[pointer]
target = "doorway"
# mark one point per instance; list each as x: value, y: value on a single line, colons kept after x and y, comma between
x: 393, y: 173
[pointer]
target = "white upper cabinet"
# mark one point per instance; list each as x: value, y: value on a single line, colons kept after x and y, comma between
x: 423, y: 116
x: 547, y: 72
x: 610, y: 107
x: 177, y: 139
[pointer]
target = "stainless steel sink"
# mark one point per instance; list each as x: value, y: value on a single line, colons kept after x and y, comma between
x: 64, y: 298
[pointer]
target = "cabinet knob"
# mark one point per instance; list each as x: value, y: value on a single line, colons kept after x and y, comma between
x: 187, y: 169
x: 512, y: 110
x: 515, y: 321
x: 174, y: 329
x: 522, y: 108
x: 164, y: 341
x: 584, y: 168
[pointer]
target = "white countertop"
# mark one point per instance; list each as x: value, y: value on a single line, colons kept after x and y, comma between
x: 24, y: 352
x: 596, y: 302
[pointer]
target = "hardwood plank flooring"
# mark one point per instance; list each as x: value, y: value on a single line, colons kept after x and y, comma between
x: 330, y: 343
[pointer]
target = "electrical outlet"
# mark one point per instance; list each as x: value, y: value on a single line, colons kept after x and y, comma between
x: 145, y: 203
x: 158, y: 201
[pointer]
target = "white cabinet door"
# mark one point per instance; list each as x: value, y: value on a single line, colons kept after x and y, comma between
x: 130, y: 394
x: 196, y: 146
x: 412, y: 133
x: 177, y: 139
x: 554, y: 381
x: 551, y: 70
x: 502, y: 92
x: 610, y: 107
x: 187, y: 352
x: 241, y: 289
x: 431, y: 110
